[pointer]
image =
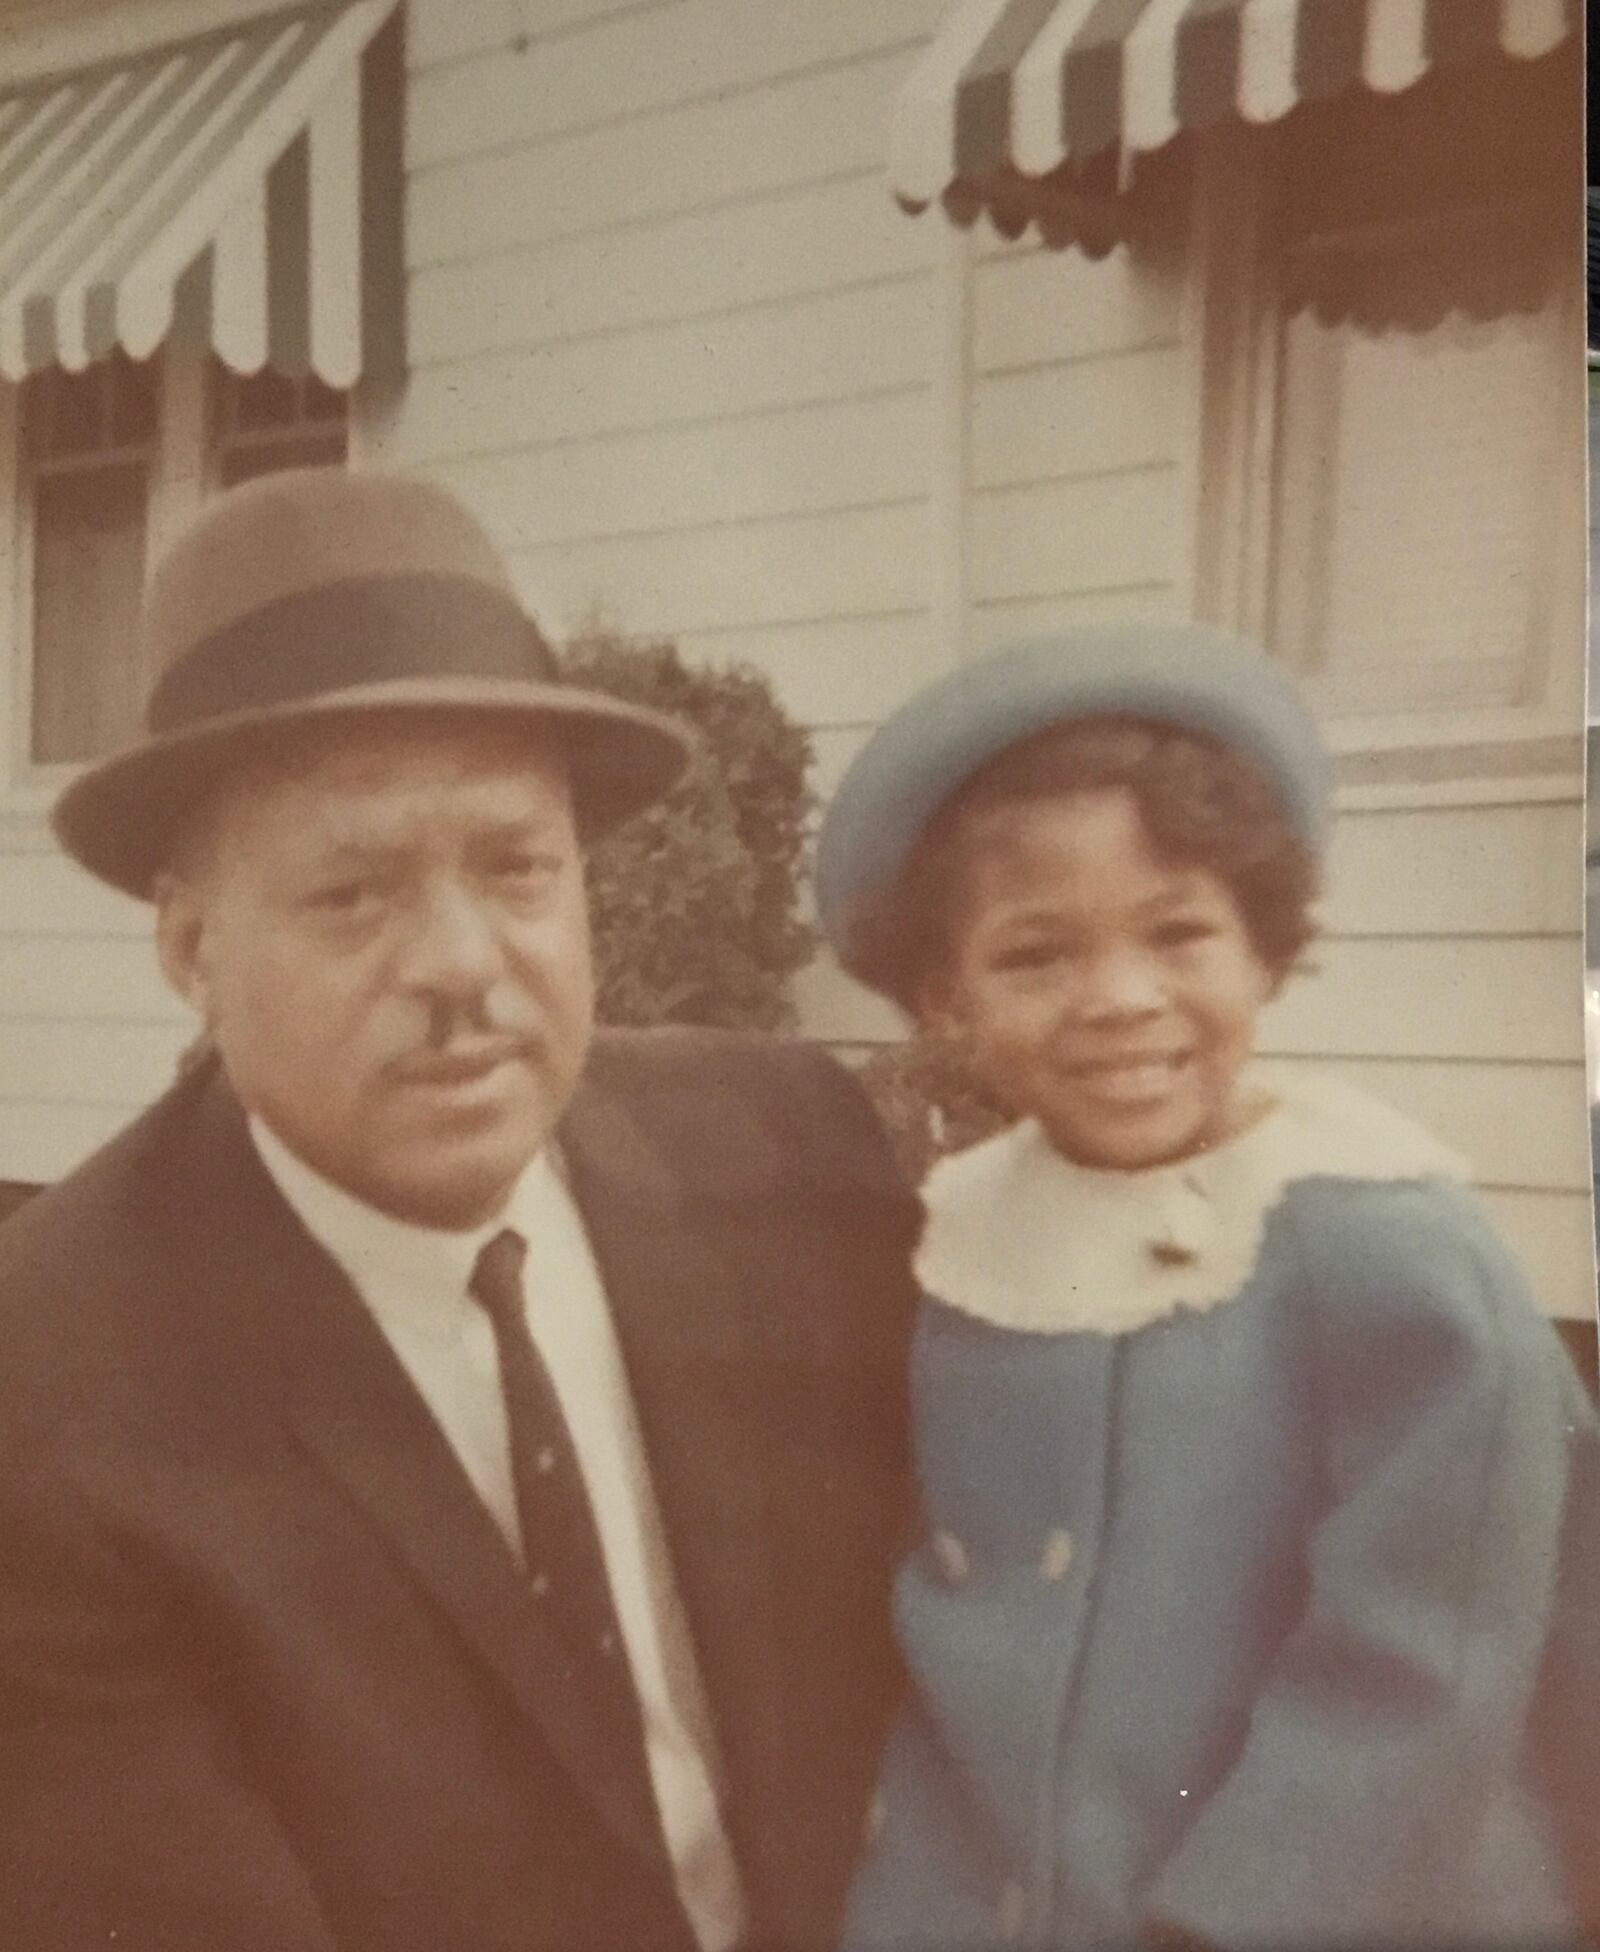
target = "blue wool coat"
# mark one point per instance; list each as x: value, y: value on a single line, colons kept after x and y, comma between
x: 1231, y: 1623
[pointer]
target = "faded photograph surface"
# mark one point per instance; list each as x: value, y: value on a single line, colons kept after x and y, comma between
x: 794, y: 1151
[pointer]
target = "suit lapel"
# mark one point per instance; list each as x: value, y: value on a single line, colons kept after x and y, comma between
x: 358, y: 1414
x: 670, y: 1265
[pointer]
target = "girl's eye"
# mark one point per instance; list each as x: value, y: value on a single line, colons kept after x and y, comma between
x: 1028, y: 955
x: 1183, y: 931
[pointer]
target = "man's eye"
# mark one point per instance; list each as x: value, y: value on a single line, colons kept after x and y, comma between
x: 341, y: 897
x: 523, y: 869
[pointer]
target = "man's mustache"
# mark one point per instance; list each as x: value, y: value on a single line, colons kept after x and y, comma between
x: 460, y: 1038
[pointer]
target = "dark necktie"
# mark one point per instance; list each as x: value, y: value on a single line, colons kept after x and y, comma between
x: 561, y: 1544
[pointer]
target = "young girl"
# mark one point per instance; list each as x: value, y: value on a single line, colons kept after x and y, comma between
x: 1243, y: 1452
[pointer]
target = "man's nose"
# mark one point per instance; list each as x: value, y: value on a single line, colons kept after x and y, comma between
x: 453, y: 949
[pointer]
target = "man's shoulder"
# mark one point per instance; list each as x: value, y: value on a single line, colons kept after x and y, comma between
x: 114, y: 1208
x: 743, y: 1102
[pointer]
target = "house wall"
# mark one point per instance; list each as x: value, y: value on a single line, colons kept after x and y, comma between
x: 671, y: 338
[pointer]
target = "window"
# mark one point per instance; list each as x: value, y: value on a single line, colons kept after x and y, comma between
x: 112, y: 462
x: 269, y: 421
x: 1594, y: 555
x: 1454, y: 417
x: 1399, y: 485
x: 89, y: 446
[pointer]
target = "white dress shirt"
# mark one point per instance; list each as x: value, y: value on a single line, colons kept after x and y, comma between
x: 414, y: 1281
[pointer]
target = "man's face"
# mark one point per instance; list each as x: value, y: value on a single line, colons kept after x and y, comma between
x: 390, y: 948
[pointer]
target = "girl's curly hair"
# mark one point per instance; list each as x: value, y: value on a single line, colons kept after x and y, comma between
x: 1203, y: 806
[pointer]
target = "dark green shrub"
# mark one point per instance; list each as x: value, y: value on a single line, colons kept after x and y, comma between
x: 929, y: 1102
x: 696, y: 903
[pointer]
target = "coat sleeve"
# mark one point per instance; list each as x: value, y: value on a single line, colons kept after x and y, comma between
x: 1442, y: 1409
x: 124, y: 1821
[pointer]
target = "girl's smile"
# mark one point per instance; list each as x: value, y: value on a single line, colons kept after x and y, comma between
x: 1099, y: 988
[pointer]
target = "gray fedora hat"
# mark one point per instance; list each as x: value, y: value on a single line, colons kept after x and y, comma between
x: 314, y: 593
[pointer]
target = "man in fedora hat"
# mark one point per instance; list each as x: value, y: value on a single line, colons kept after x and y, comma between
x: 450, y: 1461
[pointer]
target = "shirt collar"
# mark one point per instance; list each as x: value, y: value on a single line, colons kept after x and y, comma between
x: 411, y: 1277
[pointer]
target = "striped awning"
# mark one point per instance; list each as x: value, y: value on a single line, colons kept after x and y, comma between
x: 1013, y: 90
x: 215, y: 185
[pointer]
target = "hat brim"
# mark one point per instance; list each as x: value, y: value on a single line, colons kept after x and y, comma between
x: 1187, y: 675
x: 120, y: 819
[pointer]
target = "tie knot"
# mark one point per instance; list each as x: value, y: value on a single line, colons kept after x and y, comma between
x: 496, y: 1283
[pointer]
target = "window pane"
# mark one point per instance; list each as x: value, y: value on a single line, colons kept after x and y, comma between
x: 322, y: 402
x: 1439, y: 437
x: 1594, y: 584
x: 88, y: 567
x: 242, y: 463
x: 66, y: 412
x: 135, y: 400
x: 266, y: 399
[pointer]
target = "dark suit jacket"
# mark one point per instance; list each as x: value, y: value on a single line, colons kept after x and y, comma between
x: 270, y: 1680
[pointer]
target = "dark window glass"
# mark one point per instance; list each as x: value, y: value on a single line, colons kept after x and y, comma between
x: 88, y: 571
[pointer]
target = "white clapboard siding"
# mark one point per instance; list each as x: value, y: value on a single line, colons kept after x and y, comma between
x: 1487, y: 870
x: 41, y: 1141
x: 833, y: 747
x: 638, y: 61
x: 87, y: 1063
x: 1077, y: 424
x: 1088, y: 417
x: 1480, y: 998
x: 41, y: 888
x: 801, y: 461
x: 1112, y: 532
x: 802, y: 569
x: 847, y: 671
x: 696, y: 156
x: 998, y: 621
x: 1552, y: 1236
x: 835, y: 345
x: 441, y: 33
x: 65, y: 978
x: 1035, y: 307
x: 1523, y: 1127
x: 814, y: 239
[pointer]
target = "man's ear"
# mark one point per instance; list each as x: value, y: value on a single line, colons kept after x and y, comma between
x: 180, y: 940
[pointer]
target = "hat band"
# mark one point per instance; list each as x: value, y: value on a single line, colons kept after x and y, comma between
x: 368, y: 630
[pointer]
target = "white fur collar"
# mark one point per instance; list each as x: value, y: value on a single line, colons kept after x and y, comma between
x: 1023, y: 1238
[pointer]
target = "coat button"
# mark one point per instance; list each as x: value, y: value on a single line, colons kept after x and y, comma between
x: 1012, y: 1913
x: 1056, y: 1558
x: 950, y: 1555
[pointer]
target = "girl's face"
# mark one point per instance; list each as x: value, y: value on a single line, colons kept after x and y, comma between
x: 1097, y: 987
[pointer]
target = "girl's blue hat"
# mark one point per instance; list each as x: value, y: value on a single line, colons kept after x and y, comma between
x: 1185, y: 675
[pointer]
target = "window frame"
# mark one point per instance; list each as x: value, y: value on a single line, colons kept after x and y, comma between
x: 184, y: 472
x: 1234, y: 307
